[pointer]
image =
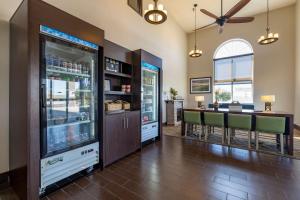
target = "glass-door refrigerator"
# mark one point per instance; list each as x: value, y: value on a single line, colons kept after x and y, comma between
x: 150, y: 100
x: 69, y: 139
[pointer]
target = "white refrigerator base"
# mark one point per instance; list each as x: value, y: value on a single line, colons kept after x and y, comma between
x: 58, y: 167
x: 149, y: 131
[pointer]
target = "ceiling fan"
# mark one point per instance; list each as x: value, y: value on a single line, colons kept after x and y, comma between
x: 228, y: 17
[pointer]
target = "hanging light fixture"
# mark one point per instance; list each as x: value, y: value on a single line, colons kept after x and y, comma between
x: 156, y: 14
x: 270, y: 37
x: 195, y: 52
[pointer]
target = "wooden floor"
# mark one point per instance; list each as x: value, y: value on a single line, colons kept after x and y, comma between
x: 186, y: 169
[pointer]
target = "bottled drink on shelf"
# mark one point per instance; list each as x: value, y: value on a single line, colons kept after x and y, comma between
x: 70, y: 66
x: 75, y: 67
x: 80, y: 68
x: 87, y: 68
x: 56, y: 61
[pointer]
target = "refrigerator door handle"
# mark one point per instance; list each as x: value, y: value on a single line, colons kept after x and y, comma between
x: 43, y: 99
x: 127, y: 121
x: 123, y: 121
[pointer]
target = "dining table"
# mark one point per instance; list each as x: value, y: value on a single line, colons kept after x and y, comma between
x: 289, y: 126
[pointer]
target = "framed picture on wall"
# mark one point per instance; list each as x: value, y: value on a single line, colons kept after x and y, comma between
x: 136, y: 5
x: 200, y: 85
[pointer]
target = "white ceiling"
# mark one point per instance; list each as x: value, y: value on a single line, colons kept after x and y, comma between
x: 7, y: 8
x: 181, y: 10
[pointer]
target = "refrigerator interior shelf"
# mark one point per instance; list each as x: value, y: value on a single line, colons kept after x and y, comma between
x: 70, y: 124
x: 68, y: 73
x: 150, y: 111
x: 148, y: 85
x: 148, y: 122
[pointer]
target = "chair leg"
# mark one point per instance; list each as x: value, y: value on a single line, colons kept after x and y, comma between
x: 257, y: 139
x: 281, y: 144
x: 249, y: 139
x: 186, y: 129
x: 223, y: 136
x: 200, y: 132
x: 206, y: 133
x: 228, y: 136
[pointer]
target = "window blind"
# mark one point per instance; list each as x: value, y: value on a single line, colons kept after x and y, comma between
x: 234, y: 70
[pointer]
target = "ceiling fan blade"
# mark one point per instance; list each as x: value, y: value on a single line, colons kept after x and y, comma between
x: 237, y: 8
x: 203, y: 27
x: 209, y: 13
x: 234, y: 20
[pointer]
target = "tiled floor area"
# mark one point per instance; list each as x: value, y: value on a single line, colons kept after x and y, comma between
x: 177, y: 169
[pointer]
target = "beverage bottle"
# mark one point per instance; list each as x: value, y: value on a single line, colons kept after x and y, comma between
x: 84, y: 68
x: 70, y: 66
x: 87, y: 68
x: 80, y: 68
x: 75, y: 67
x: 50, y: 62
x: 55, y: 61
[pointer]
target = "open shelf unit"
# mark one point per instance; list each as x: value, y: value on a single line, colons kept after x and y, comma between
x: 118, y: 73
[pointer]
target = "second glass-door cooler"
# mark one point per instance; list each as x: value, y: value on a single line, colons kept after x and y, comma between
x: 150, y: 91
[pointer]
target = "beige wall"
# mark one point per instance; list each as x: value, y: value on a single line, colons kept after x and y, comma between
x: 4, y: 95
x: 297, y: 89
x: 125, y: 27
x: 274, y: 64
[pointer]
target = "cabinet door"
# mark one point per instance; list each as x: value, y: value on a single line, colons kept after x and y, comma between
x: 131, y: 140
x: 114, y: 127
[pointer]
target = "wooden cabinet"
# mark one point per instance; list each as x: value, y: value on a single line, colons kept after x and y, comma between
x: 122, y: 135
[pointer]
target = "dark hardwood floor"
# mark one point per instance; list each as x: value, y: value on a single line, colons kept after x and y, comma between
x: 186, y: 169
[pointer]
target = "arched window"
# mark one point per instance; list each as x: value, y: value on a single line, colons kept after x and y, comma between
x: 233, y: 72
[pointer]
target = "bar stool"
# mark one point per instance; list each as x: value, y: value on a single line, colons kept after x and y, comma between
x: 240, y: 122
x: 270, y: 125
x: 192, y: 118
x: 214, y: 120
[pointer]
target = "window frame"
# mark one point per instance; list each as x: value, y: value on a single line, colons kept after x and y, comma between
x: 232, y: 58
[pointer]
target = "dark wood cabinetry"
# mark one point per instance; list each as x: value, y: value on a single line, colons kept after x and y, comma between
x: 122, y: 135
x: 122, y: 131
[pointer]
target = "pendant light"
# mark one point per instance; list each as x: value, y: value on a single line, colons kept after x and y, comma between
x: 195, y: 52
x: 156, y: 14
x: 270, y: 37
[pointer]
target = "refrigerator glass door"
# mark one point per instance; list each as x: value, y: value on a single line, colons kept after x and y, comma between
x: 149, y: 94
x: 69, y: 101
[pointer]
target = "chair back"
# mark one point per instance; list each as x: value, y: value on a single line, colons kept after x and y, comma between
x: 214, y: 119
x: 270, y: 124
x: 238, y: 121
x: 192, y: 117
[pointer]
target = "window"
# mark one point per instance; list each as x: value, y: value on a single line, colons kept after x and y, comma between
x: 233, y: 72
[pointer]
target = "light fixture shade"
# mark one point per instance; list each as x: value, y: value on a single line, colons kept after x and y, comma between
x: 270, y: 37
x: 156, y: 14
x: 268, y: 98
x: 199, y: 98
x: 195, y: 53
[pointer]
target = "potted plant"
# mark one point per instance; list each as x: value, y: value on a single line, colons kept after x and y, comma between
x: 221, y: 96
x: 173, y: 93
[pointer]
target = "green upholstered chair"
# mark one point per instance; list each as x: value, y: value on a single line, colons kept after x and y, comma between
x: 212, y: 120
x: 239, y: 122
x: 270, y: 125
x: 192, y: 118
